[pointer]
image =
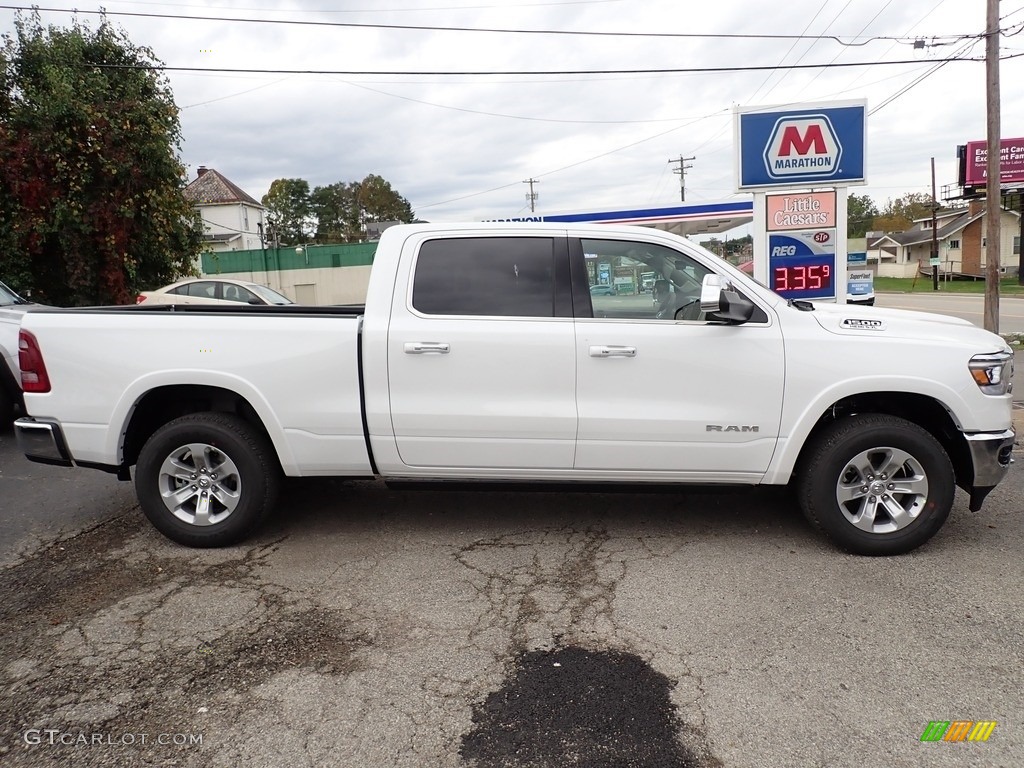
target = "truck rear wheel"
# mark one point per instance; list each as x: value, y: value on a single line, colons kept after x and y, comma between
x: 876, y: 484
x: 206, y: 479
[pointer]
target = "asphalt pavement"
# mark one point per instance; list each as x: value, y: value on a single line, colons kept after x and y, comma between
x: 371, y: 627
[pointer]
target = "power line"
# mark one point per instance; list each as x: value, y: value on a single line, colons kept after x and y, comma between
x: 939, y: 65
x: 528, y: 73
x: 487, y: 30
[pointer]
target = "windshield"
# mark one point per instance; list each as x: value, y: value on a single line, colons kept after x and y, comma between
x: 270, y: 296
x: 9, y: 297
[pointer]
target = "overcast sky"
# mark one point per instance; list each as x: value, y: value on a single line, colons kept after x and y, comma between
x: 460, y: 147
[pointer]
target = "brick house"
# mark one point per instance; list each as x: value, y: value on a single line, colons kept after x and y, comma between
x: 961, y: 239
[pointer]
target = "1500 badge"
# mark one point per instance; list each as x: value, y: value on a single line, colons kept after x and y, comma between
x: 858, y: 324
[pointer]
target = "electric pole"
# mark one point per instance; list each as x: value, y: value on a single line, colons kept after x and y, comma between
x: 681, y: 170
x: 935, y: 235
x: 531, y: 196
x: 993, y: 192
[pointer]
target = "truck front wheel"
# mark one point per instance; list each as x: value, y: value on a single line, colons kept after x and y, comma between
x: 206, y: 479
x: 876, y: 484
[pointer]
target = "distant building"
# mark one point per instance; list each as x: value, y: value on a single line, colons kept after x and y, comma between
x: 961, y: 239
x: 232, y: 219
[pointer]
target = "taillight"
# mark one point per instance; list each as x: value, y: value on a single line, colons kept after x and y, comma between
x: 140, y: 298
x: 33, y: 371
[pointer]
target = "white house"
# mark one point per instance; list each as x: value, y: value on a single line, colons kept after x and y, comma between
x: 232, y: 219
x: 961, y: 243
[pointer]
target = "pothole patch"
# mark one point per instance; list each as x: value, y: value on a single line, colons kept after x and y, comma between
x: 575, y: 707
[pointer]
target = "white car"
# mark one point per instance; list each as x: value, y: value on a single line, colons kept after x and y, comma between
x: 12, y: 307
x: 201, y: 290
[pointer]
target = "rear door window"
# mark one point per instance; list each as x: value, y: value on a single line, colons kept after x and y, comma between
x: 203, y: 290
x: 495, y: 276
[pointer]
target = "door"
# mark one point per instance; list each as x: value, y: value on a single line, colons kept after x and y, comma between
x: 663, y: 392
x: 481, y: 357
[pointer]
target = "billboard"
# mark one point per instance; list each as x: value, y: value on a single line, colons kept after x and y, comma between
x: 800, y: 146
x: 1011, y: 163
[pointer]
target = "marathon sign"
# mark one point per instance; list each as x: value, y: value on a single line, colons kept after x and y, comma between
x: 815, y: 145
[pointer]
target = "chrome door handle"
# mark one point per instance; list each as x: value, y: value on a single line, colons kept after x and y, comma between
x: 425, y: 347
x: 613, y: 351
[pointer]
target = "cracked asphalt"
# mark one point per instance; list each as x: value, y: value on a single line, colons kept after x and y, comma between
x: 371, y: 627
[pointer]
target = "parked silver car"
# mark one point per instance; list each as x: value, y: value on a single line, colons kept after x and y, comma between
x: 204, y: 290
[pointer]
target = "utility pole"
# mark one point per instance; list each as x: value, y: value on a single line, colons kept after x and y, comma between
x: 681, y: 170
x: 531, y: 196
x: 935, y: 236
x: 993, y: 206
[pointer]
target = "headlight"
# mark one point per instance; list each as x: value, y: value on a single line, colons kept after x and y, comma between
x: 993, y: 373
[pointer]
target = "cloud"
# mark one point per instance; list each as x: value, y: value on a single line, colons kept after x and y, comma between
x: 440, y: 139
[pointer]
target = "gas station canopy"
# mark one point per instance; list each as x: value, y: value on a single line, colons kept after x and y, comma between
x: 682, y: 219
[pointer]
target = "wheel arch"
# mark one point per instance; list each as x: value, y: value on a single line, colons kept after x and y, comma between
x: 163, y: 404
x: 923, y: 410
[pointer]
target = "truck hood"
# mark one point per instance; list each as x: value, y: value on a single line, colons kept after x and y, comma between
x: 851, y: 320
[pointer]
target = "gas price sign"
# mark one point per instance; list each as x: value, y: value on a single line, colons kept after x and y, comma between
x: 802, y: 265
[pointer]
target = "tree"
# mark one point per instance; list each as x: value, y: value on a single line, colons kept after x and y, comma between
x: 379, y: 202
x: 900, y: 213
x: 288, y: 210
x: 91, y: 204
x: 861, y: 213
x: 342, y: 210
x: 333, y: 206
x: 335, y: 212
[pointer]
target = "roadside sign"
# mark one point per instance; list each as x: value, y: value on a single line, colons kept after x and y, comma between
x: 813, y: 145
x: 860, y: 283
x: 801, y: 210
x: 858, y: 257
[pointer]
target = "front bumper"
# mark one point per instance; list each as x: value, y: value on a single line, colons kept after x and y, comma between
x: 42, y: 441
x: 990, y: 456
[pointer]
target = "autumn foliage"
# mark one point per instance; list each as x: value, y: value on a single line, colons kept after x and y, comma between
x: 91, y: 209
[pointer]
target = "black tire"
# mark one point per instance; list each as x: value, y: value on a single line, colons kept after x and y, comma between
x: 901, y: 466
x: 238, y: 498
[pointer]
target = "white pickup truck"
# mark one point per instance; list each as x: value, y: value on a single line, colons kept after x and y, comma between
x: 483, y: 355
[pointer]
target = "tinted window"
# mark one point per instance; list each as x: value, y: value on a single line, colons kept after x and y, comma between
x: 237, y: 293
x: 510, y: 276
x: 203, y: 290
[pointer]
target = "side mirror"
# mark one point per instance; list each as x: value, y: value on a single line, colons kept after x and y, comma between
x: 711, y: 293
x: 721, y: 302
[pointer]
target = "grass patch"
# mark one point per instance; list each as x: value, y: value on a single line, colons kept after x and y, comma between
x: 1007, y: 287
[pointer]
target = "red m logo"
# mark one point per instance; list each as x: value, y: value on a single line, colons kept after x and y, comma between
x: 811, y: 140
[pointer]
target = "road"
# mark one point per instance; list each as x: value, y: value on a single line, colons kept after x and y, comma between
x: 970, y: 307
x: 372, y: 627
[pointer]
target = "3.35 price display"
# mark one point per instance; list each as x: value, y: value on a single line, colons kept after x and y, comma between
x: 805, y: 277
x: 802, y: 265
